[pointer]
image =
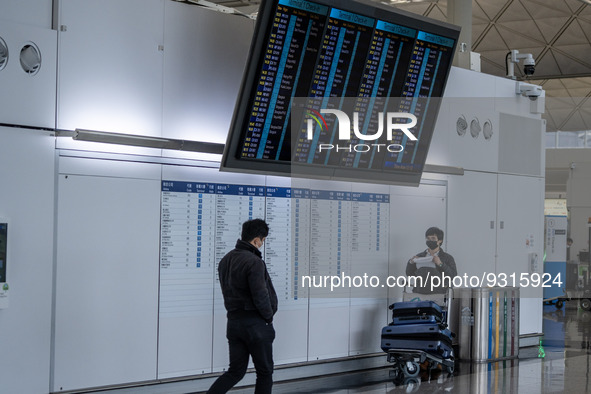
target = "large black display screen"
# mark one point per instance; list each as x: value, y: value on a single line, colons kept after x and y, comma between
x: 316, y: 67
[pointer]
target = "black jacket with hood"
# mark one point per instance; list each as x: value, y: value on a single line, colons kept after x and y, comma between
x: 246, y: 284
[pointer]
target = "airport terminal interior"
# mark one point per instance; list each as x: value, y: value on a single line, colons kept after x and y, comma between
x: 423, y: 167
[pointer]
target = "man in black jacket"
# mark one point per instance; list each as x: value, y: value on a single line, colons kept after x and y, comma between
x: 439, y: 263
x: 251, y: 302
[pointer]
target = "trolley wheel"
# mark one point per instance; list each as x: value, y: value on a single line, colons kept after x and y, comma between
x: 586, y: 304
x: 559, y: 304
x: 396, y: 375
x: 412, y: 384
x: 411, y: 369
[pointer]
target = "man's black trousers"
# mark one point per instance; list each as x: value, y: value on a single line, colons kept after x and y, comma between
x: 248, y: 336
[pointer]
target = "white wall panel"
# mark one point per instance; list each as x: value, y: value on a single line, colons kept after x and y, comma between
x: 110, y: 66
x: 514, y: 203
x: 30, y: 12
x: 291, y: 334
x: 521, y: 141
x: 468, y: 83
x: 412, y: 212
x: 204, y: 58
x: 472, y: 150
x: 471, y: 236
x: 579, y: 203
x: 367, y: 316
x: 108, y: 168
x: 439, y: 149
x: 521, y: 233
x: 470, y: 96
x: 27, y: 165
x: 107, y: 279
x: 28, y: 99
x: 477, y: 98
x: 328, y: 333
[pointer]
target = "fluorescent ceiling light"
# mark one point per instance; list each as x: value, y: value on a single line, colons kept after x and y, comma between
x: 148, y: 142
x: 219, y: 7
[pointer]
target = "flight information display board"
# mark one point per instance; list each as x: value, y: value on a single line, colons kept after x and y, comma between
x: 365, y: 60
x: 313, y: 232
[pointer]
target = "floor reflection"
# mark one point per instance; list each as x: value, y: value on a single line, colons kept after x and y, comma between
x: 560, y: 364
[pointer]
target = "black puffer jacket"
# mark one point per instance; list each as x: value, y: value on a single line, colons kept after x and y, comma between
x: 246, y: 283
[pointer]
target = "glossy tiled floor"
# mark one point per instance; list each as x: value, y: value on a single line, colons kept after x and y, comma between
x: 561, y: 364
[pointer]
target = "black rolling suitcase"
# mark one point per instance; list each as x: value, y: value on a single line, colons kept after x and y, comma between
x: 437, y: 348
x: 419, y: 331
x: 417, y: 334
x: 412, y: 312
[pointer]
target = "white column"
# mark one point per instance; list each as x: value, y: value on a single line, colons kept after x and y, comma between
x: 459, y: 12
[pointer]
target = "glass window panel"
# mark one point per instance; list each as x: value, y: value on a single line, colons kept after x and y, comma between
x: 568, y: 139
x: 550, y: 140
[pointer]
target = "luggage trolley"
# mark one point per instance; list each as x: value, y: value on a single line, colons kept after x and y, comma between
x: 419, y: 335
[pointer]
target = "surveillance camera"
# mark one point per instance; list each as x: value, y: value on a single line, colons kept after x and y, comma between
x: 529, y: 65
x: 513, y: 57
x: 533, y: 94
x: 529, y: 70
x: 528, y: 90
